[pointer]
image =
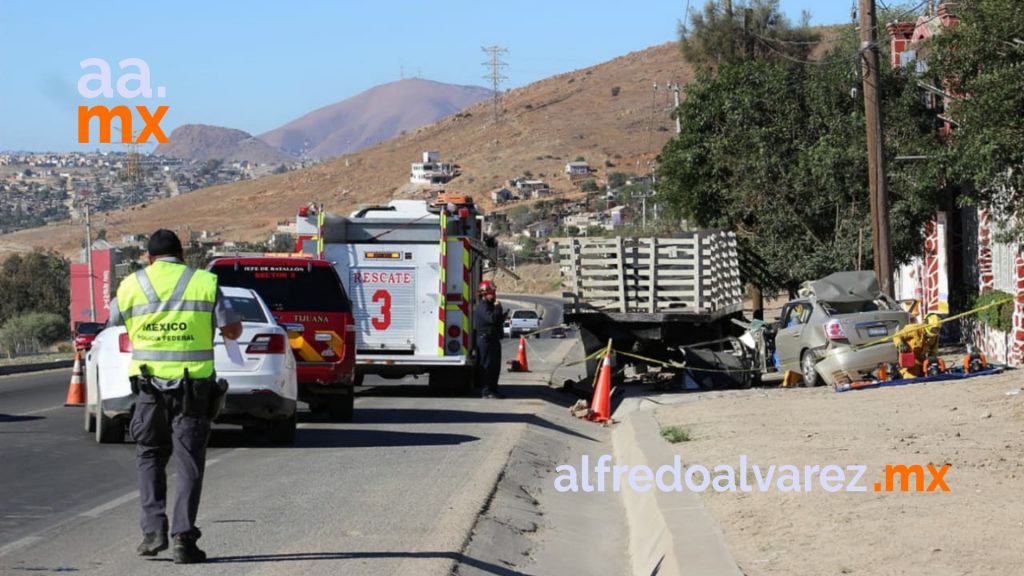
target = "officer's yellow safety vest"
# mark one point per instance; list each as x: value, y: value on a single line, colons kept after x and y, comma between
x: 168, y: 310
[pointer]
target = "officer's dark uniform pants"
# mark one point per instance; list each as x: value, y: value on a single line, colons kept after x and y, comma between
x: 489, y: 348
x: 160, y: 428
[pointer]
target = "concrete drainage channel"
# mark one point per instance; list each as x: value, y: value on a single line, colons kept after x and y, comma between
x: 670, y: 534
x: 527, y: 527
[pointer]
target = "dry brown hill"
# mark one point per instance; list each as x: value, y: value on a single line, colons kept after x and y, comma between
x: 542, y: 126
x: 376, y: 115
x: 205, y: 142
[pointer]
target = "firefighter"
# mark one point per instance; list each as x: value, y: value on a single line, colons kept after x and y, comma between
x: 489, y: 318
x: 170, y: 311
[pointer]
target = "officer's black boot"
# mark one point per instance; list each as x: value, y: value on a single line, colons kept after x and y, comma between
x: 152, y: 543
x: 185, y: 549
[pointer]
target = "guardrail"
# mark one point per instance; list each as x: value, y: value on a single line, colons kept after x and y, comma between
x: 35, y: 367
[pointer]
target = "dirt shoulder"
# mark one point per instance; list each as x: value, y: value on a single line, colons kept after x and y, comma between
x: 973, y: 425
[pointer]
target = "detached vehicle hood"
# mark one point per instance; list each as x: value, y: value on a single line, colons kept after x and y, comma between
x: 858, y: 286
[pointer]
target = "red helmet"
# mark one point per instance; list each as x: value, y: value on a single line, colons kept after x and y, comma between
x: 487, y: 287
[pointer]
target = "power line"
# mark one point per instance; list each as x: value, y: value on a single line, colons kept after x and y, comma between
x: 495, y: 76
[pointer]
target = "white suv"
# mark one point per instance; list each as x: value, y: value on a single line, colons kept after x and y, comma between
x: 521, y: 322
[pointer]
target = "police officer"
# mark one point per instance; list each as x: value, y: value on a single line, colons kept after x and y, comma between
x: 170, y: 311
x: 489, y: 318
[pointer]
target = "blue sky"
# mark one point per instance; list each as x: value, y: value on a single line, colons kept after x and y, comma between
x: 256, y: 65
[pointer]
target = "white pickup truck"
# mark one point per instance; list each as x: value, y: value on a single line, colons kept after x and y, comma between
x: 521, y: 322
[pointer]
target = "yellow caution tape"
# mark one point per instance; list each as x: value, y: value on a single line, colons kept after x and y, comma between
x: 932, y: 325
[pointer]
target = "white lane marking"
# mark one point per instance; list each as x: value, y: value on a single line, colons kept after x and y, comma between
x: 97, y: 511
x: 41, y: 410
x: 93, y: 513
x: 17, y: 544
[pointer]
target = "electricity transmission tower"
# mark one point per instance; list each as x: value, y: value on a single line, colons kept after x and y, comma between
x: 495, y: 76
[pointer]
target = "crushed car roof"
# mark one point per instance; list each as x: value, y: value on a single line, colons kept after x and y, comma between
x: 846, y: 287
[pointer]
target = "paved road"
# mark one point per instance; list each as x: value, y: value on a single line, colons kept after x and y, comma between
x: 395, y: 492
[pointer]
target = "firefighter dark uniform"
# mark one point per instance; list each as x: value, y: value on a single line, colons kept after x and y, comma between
x: 170, y: 311
x: 488, y: 320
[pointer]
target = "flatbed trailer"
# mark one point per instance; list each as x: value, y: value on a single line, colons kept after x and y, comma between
x: 652, y: 296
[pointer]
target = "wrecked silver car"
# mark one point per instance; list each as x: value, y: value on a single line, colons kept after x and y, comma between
x: 819, y: 334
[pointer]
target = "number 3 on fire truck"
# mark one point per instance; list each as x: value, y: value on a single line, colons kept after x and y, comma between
x: 382, y: 322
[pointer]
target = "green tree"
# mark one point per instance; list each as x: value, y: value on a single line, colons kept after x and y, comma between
x: 281, y: 243
x: 518, y: 217
x: 589, y: 186
x: 197, y: 256
x: 726, y: 32
x: 985, y: 56
x: 29, y: 332
x: 617, y: 179
x: 35, y: 282
x: 775, y: 151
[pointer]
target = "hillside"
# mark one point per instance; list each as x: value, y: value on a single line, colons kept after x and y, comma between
x: 542, y: 126
x: 205, y: 142
x: 376, y: 115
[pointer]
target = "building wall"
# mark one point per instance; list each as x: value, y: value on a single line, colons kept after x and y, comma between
x: 104, y: 280
x: 1000, y: 267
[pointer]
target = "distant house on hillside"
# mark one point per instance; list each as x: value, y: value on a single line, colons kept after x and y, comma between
x: 541, y: 193
x: 502, y: 195
x: 528, y: 186
x: 645, y: 179
x: 618, y: 216
x: 583, y: 220
x: 541, y: 229
x: 431, y: 170
x: 577, y: 168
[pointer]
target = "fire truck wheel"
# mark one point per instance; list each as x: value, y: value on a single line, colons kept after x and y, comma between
x: 452, y: 381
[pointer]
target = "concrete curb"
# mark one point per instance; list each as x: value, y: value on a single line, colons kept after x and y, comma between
x: 37, y: 367
x: 670, y: 534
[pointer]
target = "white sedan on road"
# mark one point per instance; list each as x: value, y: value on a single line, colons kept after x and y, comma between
x: 262, y: 391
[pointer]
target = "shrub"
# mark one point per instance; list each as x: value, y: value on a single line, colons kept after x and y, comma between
x: 999, y: 317
x: 27, y: 333
x: 589, y: 186
x: 675, y: 434
x: 615, y: 91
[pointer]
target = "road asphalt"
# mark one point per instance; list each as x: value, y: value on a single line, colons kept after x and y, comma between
x: 416, y: 484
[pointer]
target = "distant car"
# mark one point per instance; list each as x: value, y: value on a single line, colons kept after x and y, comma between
x: 85, y: 333
x: 817, y: 334
x: 557, y: 332
x: 262, y: 392
x: 521, y: 322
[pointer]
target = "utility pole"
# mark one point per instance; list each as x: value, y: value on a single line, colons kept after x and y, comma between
x: 495, y: 76
x: 880, y: 241
x: 675, y: 91
x: 88, y: 264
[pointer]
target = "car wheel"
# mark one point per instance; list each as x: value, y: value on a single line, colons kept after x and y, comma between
x: 809, y: 370
x: 283, y: 431
x: 340, y: 408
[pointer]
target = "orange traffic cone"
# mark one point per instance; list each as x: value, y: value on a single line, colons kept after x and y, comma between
x: 76, y: 390
x: 524, y: 366
x: 601, y: 404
